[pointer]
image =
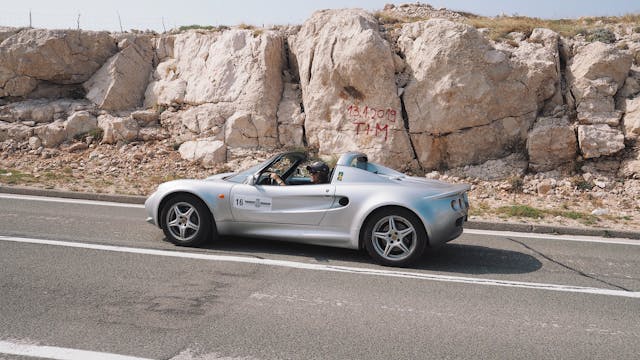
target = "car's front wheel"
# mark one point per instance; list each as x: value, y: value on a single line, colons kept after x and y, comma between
x: 186, y: 220
x: 394, y: 237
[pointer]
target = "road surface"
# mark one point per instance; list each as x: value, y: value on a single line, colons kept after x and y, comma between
x: 82, y: 279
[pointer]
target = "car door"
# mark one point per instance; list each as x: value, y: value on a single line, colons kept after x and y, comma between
x: 296, y: 205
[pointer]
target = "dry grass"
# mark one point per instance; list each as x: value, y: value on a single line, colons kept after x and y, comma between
x: 499, y: 27
x: 244, y: 26
x: 526, y: 211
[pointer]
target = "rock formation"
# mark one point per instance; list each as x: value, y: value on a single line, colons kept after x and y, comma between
x: 220, y: 76
x: 418, y: 94
x: 456, y: 98
x: 31, y: 56
x: 347, y: 75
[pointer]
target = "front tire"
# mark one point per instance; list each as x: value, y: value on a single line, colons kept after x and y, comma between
x: 186, y: 220
x: 394, y: 237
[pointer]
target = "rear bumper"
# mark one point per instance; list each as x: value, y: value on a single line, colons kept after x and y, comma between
x: 448, y: 233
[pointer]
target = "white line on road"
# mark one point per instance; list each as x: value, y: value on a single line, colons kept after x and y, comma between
x: 591, y: 239
x: 332, y: 268
x: 52, y: 352
x: 69, y: 201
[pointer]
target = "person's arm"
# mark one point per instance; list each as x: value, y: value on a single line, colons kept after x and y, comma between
x: 278, y: 179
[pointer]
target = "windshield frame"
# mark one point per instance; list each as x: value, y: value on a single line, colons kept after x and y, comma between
x: 242, y: 176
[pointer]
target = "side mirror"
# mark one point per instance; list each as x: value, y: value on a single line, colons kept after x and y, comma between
x: 251, y: 180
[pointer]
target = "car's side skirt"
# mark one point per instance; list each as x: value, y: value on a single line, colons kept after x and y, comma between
x: 286, y: 232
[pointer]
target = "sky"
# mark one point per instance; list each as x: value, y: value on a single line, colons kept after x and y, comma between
x: 160, y: 15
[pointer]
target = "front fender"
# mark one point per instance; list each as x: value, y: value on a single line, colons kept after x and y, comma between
x: 214, y: 194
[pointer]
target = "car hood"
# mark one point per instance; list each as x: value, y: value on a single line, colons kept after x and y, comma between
x: 220, y: 176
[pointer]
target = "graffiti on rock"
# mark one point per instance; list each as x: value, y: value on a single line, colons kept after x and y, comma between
x: 371, y: 121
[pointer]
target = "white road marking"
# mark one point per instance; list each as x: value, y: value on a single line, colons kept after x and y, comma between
x: 332, y: 268
x: 591, y: 239
x: 69, y: 201
x: 52, y: 352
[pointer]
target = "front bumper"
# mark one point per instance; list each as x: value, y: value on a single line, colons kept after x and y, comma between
x: 151, y: 206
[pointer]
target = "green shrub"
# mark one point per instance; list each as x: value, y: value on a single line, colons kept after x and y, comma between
x: 583, y: 185
x: 97, y: 134
x: 517, y: 184
x: 196, y: 27
x: 521, y: 211
x: 603, y: 35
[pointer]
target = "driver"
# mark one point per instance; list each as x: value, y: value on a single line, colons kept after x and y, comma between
x: 319, y: 174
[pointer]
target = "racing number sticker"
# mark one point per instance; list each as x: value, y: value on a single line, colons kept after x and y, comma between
x: 252, y: 203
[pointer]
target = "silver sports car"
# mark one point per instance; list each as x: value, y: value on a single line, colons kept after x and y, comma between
x: 361, y: 205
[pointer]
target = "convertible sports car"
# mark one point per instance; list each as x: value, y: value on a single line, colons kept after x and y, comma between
x: 364, y: 205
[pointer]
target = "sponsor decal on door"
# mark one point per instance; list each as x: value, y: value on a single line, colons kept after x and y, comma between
x: 252, y: 203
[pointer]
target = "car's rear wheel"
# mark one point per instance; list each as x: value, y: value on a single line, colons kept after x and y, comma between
x: 394, y: 237
x: 186, y: 220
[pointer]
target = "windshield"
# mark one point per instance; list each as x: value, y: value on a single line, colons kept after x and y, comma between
x: 242, y: 176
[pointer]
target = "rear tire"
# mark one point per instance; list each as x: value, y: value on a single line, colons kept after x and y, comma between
x: 394, y: 237
x: 186, y: 220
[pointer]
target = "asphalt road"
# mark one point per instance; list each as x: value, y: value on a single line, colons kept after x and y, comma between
x: 481, y: 296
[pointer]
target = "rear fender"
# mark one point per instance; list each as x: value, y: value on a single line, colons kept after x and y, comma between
x: 367, y: 211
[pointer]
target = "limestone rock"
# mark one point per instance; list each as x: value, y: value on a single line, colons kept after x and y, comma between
x: 595, y: 74
x: 121, y: 82
x: 6, y: 32
x: 18, y: 86
x: 235, y: 68
x: 34, y: 142
x: 41, y: 111
x: 498, y: 169
x: 630, y: 168
x: 163, y: 47
x: 240, y: 131
x: 598, y: 60
x: 290, y: 117
x: 199, y: 121
x: 42, y: 114
x: 632, y: 119
x: 146, y: 117
x: 551, y: 143
x: 348, y: 87
x: 79, y: 123
x: 52, y: 134
x: 207, y: 151
x: 117, y: 129
x: 477, y: 144
x: 459, y: 81
x: 545, y: 186
x: 599, y: 140
x: 56, y: 56
x: 152, y: 134
x: 77, y: 147
x: 17, y: 132
x: 630, y: 89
